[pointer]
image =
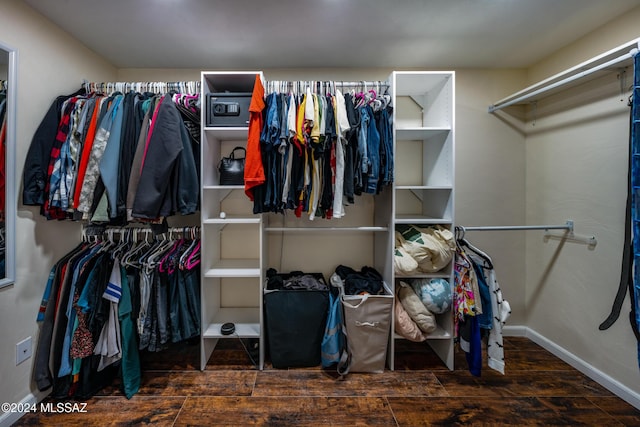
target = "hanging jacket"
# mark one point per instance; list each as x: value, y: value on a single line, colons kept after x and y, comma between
x: 37, y: 162
x: 167, y: 155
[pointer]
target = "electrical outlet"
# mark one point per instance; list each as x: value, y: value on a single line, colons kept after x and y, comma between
x: 23, y: 350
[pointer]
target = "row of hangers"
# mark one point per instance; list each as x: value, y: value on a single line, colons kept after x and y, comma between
x: 373, y: 93
x: 108, y: 88
x: 323, y: 87
x: 191, y: 102
x: 462, y: 242
x: 138, y: 247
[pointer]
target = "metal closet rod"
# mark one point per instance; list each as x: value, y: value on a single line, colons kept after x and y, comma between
x: 355, y: 83
x: 566, y: 226
x: 629, y: 49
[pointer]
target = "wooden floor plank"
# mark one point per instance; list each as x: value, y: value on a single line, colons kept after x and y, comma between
x: 319, y: 383
x: 619, y: 409
x: 192, y: 383
x: 111, y: 411
x: 498, y: 412
x: 520, y: 383
x: 286, y: 411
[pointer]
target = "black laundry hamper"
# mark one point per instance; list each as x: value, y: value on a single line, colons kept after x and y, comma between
x: 295, y: 322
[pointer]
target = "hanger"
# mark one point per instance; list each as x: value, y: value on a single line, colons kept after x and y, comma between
x: 194, y: 257
x: 461, y: 241
x: 158, y: 252
x: 123, y: 243
x: 130, y: 257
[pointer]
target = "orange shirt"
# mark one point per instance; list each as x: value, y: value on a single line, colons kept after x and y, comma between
x: 86, y: 152
x: 253, y: 168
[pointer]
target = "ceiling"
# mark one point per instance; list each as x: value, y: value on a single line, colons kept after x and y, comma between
x: 248, y: 34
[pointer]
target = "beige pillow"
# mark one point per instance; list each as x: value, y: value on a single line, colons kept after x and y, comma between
x: 431, y: 247
x: 411, y: 302
x: 403, y: 263
x: 405, y: 326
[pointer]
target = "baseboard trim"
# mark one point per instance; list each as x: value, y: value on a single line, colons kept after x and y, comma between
x: 9, y: 418
x: 611, y: 384
x: 514, y: 331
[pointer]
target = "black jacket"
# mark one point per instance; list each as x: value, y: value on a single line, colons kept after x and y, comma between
x: 35, y: 175
x: 168, y: 181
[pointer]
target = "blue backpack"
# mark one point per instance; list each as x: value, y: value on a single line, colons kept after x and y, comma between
x: 333, y: 340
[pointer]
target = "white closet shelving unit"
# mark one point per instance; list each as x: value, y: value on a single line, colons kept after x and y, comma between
x: 232, y: 270
x: 238, y: 249
x: 424, y: 123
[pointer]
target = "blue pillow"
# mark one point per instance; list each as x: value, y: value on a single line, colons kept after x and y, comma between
x: 435, y: 294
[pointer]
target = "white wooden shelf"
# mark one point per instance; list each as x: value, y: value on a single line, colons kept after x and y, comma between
x: 231, y: 220
x: 410, y: 83
x: 234, y: 268
x: 418, y: 219
x: 228, y: 133
x: 420, y: 133
x: 424, y: 187
x: 325, y: 229
x: 243, y: 330
x: 439, y: 334
x: 246, y: 320
x: 443, y: 274
x: 222, y: 187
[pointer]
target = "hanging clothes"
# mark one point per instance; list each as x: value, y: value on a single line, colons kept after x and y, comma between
x: 3, y: 137
x: 37, y: 160
x: 82, y: 158
x: 254, y: 175
x: 317, y: 148
x: 630, y: 271
x: 91, y: 306
x: 480, y: 309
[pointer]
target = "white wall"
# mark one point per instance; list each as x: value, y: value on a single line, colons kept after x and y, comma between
x: 576, y: 167
x: 50, y: 63
x: 490, y: 186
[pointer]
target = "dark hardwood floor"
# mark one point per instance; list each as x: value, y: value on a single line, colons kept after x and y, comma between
x: 537, y: 389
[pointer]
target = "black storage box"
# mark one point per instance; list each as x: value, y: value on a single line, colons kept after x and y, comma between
x: 295, y: 323
x: 230, y: 109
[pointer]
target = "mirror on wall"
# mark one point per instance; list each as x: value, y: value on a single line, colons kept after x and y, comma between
x: 8, y: 65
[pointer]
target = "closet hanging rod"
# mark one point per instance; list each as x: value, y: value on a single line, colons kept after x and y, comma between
x: 363, y: 82
x: 625, y: 52
x: 99, y: 230
x: 186, y: 86
x: 566, y: 226
x: 338, y: 83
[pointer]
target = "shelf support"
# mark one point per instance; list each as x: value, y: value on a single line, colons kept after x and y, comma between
x: 418, y: 194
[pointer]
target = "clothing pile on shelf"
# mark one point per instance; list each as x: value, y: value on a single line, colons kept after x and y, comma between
x: 480, y: 309
x: 105, y: 301
x: 115, y: 158
x: 422, y: 249
x: 312, y: 149
x: 418, y: 301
